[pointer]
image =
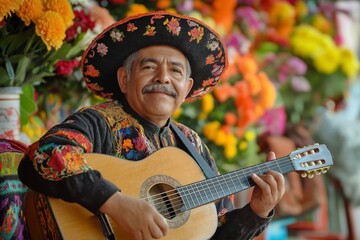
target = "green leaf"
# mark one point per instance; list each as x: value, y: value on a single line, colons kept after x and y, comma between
x: 38, y: 78
x: 27, y: 104
x: 4, y: 78
x: 21, y: 69
x: 9, y: 70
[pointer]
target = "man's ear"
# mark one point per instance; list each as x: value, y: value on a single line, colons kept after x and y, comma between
x: 190, y: 84
x: 122, y: 79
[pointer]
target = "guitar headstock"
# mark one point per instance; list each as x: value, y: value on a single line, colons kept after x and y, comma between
x: 310, y: 160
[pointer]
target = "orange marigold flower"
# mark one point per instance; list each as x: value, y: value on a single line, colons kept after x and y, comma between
x: 51, y: 28
x: 230, y: 118
x: 9, y: 6
x: 254, y: 84
x: 269, y: 94
x: 63, y: 7
x: 163, y: 4
x: 247, y: 65
x: 30, y: 11
x: 136, y: 9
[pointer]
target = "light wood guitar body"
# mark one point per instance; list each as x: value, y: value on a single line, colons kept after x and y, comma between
x: 172, y: 182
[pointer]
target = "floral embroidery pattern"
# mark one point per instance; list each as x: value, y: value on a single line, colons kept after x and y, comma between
x: 91, y: 71
x: 116, y: 35
x: 102, y: 49
x: 131, y: 27
x: 150, y: 31
x: 173, y: 26
x: 196, y: 34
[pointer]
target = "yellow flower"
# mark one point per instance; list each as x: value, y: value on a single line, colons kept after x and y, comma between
x: 210, y: 130
x: 301, y: 8
x: 207, y: 103
x: 136, y: 9
x: 9, y: 6
x: 322, y: 24
x: 243, y: 145
x: 349, y: 63
x: 51, y: 28
x: 64, y: 8
x: 220, y: 137
x: 231, y: 140
x: 30, y: 11
x: 327, y: 61
x: 250, y: 136
x: 230, y: 152
x: 177, y: 113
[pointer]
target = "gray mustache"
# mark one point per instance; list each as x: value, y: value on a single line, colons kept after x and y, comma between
x: 160, y: 88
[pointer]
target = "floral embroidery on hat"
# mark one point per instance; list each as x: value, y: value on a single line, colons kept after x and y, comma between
x: 150, y: 31
x: 196, y: 33
x: 91, y: 71
x: 131, y: 27
x: 210, y: 59
x: 93, y: 86
x: 212, y: 45
x: 173, y: 26
x: 116, y: 35
x: 208, y: 82
x: 156, y: 16
x: 102, y: 49
x: 217, y: 70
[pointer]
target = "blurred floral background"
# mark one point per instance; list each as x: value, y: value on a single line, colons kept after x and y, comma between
x: 286, y: 59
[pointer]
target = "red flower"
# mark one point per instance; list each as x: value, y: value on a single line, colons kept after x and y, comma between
x: 65, y: 68
x: 82, y: 21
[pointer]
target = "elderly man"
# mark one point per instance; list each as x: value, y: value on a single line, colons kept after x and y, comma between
x: 147, y: 65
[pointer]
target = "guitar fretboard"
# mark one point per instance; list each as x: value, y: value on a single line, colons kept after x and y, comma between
x: 211, y: 189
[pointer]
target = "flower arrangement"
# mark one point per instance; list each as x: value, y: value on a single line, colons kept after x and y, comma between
x: 31, y: 34
x: 42, y: 43
x: 31, y: 38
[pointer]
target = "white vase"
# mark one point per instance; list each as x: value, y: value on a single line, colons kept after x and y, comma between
x: 10, y: 112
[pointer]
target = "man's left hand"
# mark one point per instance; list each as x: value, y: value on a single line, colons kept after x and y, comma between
x: 269, y: 189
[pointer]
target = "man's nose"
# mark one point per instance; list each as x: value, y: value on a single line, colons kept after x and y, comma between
x: 162, y: 75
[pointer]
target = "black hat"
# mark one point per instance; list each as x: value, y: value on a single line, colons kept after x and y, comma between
x: 201, y: 45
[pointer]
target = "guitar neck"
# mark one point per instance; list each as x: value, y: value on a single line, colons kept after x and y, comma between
x: 209, y: 190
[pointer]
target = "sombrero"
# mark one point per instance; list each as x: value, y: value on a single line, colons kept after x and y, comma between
x: 201, y: 45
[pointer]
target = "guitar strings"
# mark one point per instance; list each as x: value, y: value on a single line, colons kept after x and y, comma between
x: 197, y: 186
x: 176, y: 202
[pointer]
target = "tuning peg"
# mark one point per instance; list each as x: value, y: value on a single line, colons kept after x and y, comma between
x: 304, y: 175
x: 319, y: 162
x: 310, y: 175
x: 324, y: 170
x: 305, y: 165
x: 318, y: 172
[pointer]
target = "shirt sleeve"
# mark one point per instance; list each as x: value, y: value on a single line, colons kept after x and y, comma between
x: 242, y: 223
x: 55, y: 164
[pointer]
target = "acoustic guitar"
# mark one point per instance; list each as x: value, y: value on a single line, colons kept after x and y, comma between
x: 172, y: 182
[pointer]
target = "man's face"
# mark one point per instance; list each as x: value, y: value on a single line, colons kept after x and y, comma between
x: 158, y: 83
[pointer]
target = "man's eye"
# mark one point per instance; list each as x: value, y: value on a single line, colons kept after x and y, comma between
x: 148, y: 67
x: 176, y: 70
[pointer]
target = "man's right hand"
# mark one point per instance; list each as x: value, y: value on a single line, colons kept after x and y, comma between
x: 136, y: 217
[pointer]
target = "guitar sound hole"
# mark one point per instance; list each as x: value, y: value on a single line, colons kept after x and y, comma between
x: 166, y: 200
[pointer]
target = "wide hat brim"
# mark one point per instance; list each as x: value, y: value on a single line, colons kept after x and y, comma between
x: 201, y: 45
